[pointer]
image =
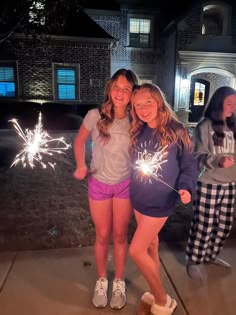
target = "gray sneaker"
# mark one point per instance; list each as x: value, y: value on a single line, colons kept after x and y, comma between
x: 118, y: 298
x: 100, y: 293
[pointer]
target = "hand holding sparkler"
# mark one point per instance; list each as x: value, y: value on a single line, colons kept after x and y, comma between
x: 81, y: 172
x: 226, y: 161
x: 185, y: 196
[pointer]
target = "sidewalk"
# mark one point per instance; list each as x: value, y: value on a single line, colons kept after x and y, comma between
x: 61, y: 281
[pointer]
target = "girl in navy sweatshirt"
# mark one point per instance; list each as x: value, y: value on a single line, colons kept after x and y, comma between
x: 164, y: 170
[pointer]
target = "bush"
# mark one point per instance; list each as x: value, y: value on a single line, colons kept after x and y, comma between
x: 55, y: 116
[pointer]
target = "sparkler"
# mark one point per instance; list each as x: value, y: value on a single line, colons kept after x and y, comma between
x: 149, y: 164
x: 37, y: 143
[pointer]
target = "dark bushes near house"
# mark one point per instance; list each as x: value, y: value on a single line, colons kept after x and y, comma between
x: 55, y: 116
x: 26, y: 113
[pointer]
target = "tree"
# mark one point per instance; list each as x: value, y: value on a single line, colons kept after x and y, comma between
x: 36, y: 18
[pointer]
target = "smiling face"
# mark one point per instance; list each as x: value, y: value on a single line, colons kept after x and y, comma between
x: 120, y: 93
x: 229, y: 106
x: 146, y: 107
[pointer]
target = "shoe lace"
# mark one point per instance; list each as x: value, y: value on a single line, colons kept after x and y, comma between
x: 118, y: 287
x: 100, y: 287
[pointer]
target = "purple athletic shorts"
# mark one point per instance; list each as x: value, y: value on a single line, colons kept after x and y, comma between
x: 101, y: 191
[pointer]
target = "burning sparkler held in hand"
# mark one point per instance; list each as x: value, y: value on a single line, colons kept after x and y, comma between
x: 149, y: 165
x: 37, y: 143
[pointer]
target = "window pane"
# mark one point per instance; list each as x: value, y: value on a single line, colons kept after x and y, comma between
x: 134, y: 25
x: 144, y: 40
x: 145, y: 26
x: 7, y: 82
x: 199, y: 94
x: 6, y: 74
x: 134, y: 40
x: 7, y: 89
x: 66, y: 76
x: 66, y: 92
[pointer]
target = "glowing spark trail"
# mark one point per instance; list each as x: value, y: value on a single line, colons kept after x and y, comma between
x: 149, y: 164
x: 37, y: 143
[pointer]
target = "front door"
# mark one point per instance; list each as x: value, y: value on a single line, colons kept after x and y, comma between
x: 199, y: 93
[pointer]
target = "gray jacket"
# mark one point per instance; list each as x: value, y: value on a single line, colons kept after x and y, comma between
x: 208, y: 155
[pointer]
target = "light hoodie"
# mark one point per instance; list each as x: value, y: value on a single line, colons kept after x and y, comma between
x: 208, y: 155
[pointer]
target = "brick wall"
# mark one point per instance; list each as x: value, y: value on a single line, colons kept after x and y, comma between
x: 190, y: 27
x: 166, y: 66
x: 115, y: 23
x: 35, y: 67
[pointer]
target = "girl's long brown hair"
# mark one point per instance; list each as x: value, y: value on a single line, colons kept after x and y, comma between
x: 169, y: 129
x: 214, y: 111
x: 106, y: 109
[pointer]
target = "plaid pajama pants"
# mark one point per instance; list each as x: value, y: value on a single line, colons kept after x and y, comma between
x: 212, y: 221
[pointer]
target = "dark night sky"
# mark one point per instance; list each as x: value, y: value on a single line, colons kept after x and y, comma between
x: 169, y: 8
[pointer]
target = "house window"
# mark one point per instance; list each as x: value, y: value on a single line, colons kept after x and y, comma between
x: 215, y: 20
x: 139, y: 32
x: 7, y: 81
x: 66, y: 83
x: 199, y: 94
x: 143, y: 80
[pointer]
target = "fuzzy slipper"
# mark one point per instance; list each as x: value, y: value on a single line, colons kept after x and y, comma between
x: 168, y: 309
x: 219, y: 262
x: 147, y: 300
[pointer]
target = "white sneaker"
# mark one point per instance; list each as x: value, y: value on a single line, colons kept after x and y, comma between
x: 118, y: 298
x: 100, y: 293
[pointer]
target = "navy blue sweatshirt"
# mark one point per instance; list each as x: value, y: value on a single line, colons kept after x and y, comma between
x: 151, y: 196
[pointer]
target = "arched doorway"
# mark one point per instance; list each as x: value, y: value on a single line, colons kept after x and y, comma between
x: 203, y: 83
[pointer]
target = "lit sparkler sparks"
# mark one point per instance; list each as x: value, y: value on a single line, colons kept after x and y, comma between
x: 149, y: 164
x: 37, y: 143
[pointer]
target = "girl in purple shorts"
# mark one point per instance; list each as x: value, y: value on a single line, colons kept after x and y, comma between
x: 108, y: 182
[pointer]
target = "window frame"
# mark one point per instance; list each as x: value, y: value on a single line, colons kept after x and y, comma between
x: 13, y: 65
x: 69, y: 66
x: 140, y: 17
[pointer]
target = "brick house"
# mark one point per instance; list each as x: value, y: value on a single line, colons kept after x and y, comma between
x: 189, y: 58
x: 57, y: 71
x: 205, y: 55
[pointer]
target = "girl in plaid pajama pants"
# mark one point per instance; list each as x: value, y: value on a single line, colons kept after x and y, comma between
x: 214, y: 148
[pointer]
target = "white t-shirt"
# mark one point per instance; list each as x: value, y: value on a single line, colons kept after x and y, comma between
x: 111, y: 161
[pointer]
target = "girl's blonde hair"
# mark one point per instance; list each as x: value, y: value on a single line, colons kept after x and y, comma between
x: 106, y: 109
x: 169, y: 129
